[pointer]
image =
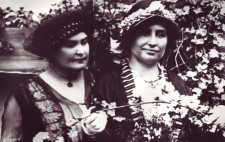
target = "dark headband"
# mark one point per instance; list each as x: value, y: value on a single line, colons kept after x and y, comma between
x: 50, y: 34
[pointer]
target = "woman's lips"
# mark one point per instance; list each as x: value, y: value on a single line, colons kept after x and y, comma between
x: 80, y: 59
x: 150, y: 51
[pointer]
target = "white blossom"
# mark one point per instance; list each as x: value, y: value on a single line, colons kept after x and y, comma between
x: 213, y: 53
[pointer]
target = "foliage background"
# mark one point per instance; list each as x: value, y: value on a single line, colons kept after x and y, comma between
x: 200, y: 55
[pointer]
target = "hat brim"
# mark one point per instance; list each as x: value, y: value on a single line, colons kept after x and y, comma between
x: 170, y: 25
x: 52, y: 32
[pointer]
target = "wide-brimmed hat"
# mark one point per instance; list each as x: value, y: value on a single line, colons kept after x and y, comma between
x: 147, y: 11
x: 51, y: 33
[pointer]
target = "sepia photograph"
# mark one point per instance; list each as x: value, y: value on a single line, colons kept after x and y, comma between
x: 112, y: 71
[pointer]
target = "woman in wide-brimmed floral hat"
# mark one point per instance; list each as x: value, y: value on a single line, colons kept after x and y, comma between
x: 153, y: 103
x: 53, y: 105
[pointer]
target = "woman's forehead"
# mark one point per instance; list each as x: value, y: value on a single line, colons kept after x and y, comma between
x: 156, y: 27
x: 78, y: 36
x: 153, y: 27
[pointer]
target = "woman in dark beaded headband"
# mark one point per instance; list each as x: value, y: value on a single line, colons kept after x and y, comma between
x: 53, y: 32
x: 53, y: 105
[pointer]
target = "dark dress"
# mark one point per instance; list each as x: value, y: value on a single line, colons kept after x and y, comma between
x: 110, y: 87
x: 35, y: 107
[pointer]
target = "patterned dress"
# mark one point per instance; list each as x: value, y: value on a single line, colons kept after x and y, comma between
x: 35, y: 108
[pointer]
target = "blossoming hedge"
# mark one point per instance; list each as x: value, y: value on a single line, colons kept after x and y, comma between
x: 199, y: 58
x: 200, y: 54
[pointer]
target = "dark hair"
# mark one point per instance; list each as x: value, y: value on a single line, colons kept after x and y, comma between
x: 51, y: 34
x: 130, y: 37
x: 136, y: 29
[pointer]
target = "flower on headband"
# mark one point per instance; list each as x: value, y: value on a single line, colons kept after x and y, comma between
x: 156, y: 8
x: 155, y: 5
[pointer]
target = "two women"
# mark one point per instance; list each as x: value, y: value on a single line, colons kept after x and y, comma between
x: 55, y: 100
x: 53, y: 105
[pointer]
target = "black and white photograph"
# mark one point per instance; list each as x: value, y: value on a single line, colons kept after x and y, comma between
x: 112, y: 71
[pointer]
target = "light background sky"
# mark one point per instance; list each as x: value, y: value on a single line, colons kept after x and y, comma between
x: 37, y: 6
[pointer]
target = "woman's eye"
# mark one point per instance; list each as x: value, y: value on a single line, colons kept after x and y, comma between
x: 161, y: 34
x: 73, y: 43
x: 70, y: 44
x: 84, y: 41
x: 146, y: 33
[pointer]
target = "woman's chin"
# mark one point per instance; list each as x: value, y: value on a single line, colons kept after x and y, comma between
x: 79, y: 67
x: 150, y: 61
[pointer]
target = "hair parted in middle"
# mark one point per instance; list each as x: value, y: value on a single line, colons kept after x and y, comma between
x: 143, y: 14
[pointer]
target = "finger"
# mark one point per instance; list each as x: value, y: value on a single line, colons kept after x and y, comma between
x: 96, y: 119
x: 102, y: 114
x: 90, y: 109
x: 100, y: 118
x: 100, y: 127
x: 99, y: 123
x: 96, y: 129
x: 88, y: 112
x: 91, y: 118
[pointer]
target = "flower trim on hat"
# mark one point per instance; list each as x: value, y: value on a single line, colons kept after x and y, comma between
x: 156, y: 8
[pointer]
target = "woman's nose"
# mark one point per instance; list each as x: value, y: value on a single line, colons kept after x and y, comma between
x: 79, y: 50
x: 152, y: 40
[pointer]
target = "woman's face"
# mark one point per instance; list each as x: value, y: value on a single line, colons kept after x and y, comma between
x: 149, y: 46
x: 74, y: 53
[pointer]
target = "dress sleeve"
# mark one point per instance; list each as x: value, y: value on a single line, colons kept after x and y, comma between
x: 109, y: 88
x: 11, y: 121
x: 20, y: 120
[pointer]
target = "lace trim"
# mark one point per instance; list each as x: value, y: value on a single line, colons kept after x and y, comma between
x: 52, y: 114
x: 129, y: 86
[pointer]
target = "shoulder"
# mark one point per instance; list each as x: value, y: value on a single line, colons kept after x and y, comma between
x: 21, y: 95
x: 29, y: 80
x: 109, y: 86
x: 108, y: 81
x: 174, y: 76
x: 111, y: 75
x: 29, y: 84
x: 25, y: 90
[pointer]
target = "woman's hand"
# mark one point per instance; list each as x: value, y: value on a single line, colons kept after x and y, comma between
x: 94, y: 122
